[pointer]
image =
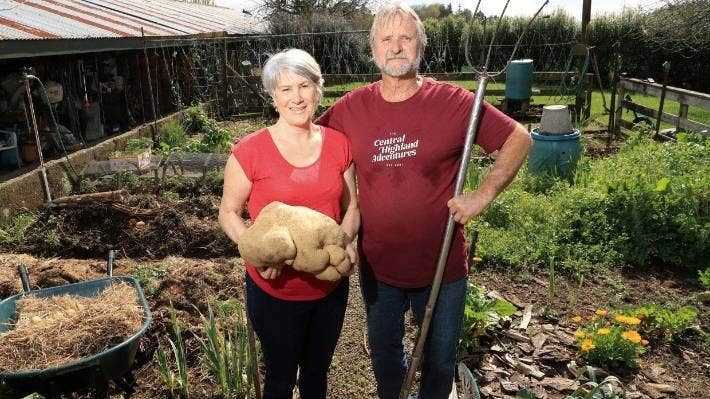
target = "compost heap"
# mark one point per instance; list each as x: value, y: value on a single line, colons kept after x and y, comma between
x: 56, y: 330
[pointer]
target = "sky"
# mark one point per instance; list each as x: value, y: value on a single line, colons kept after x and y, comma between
x: 516, y: 7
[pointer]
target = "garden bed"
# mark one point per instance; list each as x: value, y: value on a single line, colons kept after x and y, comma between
x: 166, y: 234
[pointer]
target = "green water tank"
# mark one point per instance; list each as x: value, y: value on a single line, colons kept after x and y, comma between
x: 554, y: 155
x: 518, y: 80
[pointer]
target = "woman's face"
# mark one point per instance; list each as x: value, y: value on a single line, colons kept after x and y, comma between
x: 296, y: 99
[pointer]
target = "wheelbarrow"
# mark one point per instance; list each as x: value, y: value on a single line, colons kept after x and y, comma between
x: 96, y: 371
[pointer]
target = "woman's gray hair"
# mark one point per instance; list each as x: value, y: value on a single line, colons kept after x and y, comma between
x: 297, y: 61
x: 388, y: 11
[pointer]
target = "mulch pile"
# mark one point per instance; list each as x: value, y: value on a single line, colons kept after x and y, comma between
x: 57, y: 330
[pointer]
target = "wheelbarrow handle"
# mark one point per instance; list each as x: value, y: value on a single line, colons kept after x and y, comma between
x: 24, y: 276
x: 109, y: 263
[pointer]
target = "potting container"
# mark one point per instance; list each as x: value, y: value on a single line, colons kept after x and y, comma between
x: 90, y: 372
x: 554, y: 155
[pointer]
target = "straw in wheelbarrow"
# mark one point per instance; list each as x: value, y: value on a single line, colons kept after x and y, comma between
x: 57, y: 330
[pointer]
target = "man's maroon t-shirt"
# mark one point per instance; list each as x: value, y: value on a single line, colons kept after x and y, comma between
x: 406, y: 156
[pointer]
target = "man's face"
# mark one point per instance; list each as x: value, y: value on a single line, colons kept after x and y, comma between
x: 395, y: 47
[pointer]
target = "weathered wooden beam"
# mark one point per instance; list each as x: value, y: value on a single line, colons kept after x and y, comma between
x: 679, y: 122
x: 677, y: 94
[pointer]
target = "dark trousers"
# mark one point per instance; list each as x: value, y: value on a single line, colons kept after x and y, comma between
x: 386, y: 305
x: 296, y: 335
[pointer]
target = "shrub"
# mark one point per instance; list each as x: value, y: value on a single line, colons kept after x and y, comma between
x: 649, y: 202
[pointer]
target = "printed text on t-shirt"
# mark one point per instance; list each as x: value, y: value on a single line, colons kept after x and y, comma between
x: 394, y: 148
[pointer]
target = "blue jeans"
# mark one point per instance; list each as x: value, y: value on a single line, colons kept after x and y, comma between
x: 296, y: 334
x: 385, y: 306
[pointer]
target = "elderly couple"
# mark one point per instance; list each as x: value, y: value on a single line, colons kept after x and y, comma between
x: 382, y: 162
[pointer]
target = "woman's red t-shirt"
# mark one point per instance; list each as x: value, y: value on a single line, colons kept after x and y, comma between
x: 318, y: 186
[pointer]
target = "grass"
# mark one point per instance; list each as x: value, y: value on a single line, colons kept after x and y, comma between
x: 598, y: 115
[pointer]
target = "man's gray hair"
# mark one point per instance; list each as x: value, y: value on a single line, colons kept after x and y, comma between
x: 297, y: 61
x: 386, y: 12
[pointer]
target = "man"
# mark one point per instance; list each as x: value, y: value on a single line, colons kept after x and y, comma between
x: 407, y: 134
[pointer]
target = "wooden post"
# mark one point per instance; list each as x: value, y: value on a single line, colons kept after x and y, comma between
x: 682, y: 116
x: 586, y: 18
x: 620, y: 108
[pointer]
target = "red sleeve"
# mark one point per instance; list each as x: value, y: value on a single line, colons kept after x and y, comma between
x: 244, y: 151
x: 341, y: 146
x: 494, y: 127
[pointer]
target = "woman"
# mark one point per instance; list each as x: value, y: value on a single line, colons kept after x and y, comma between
x: 297, y: 317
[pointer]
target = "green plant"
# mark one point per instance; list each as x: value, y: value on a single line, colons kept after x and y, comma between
x: 177, y: 383
x: 704, y: 277
x: 648, y: 202
x: 171, y: 196
x: 663, y: 323
x: 138, y: 144
x: 147, y: 277
x: 610, y: 341
x: 173, y: 137
x: 226, y: 349
x: 480, y: 314
x: 597, y: 390
x: 15, y: 232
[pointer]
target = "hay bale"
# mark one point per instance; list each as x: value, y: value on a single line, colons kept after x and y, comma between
x: 57, y: 330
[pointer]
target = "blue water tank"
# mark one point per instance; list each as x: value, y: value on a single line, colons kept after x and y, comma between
x: 518, y: 80
x: 554, y: 155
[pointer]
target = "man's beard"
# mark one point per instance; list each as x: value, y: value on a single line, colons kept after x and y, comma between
x: 402, y: 70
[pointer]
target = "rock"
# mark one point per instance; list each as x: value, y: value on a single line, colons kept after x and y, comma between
x: 560, y: 384
x: 548, y: 327
x: 635, y: 395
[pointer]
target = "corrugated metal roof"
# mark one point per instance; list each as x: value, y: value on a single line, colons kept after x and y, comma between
x: 80, y: 19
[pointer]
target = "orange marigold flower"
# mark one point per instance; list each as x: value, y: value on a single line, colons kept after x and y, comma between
x: 600, y: 312
x: 587, y: 345
x: 579, y: 334
x: 576, y: 319
x: 631, y: 336
x: 603, y: 331
x: 631, y: 320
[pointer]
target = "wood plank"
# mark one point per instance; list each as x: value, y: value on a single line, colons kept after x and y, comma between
x: 682, y: 96
x: 685, y: 124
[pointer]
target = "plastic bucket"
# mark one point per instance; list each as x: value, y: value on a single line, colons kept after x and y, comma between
x: 518, y: 80
x: 554, y: 155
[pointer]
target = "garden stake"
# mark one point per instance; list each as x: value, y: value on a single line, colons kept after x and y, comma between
x: 42, y: 169
x: 483, y: 77
x: 666, y: 69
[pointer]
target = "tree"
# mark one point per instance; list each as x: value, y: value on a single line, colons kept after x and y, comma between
x: 297, y: 16
x: 680, y: 26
